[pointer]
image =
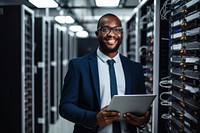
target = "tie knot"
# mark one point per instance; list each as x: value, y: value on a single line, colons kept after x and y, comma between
x: 110, y: 62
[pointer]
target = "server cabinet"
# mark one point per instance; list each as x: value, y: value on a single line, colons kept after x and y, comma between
x: 42, y: 75
x: 72, y: 45
x: 140, y: 44
x: 184, y: 75
x: 65, y: 57
x: 146, y: 49
x: 56, y: 40
x: 145, y: 33
x: 163, y: 42
x: 17, y: 69
x: 131, y: 39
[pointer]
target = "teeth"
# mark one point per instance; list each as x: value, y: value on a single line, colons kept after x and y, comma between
x: 111, y: 41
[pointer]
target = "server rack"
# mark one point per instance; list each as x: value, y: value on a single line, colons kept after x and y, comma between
x: 56, y: 76
x: 184, y: 93
x: 146, y: 49
x: 131, y: 38
x: 42, y: 76
x: 148, y: 33
x: 65, y: 57
x: 17, y: 69
x: 163, y: 67
x: 72, y: 45
x: 140, y: 40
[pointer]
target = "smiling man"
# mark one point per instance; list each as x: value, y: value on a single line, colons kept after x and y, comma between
x: 93, y: 79
x: 110, y: 38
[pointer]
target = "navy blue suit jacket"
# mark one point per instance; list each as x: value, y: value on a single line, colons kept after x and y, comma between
x: 80, y: 99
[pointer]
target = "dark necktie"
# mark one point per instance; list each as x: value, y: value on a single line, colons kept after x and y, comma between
x: 113, y: 87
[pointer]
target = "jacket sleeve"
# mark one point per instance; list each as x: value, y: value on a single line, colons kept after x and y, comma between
x: 69, y: 108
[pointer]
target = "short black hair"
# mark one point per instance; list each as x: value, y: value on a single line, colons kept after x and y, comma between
x: 105, y: 15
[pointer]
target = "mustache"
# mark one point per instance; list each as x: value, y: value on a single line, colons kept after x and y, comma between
x: 109, y: 38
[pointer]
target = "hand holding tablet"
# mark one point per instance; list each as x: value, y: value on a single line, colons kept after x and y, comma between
x: 137, y: 103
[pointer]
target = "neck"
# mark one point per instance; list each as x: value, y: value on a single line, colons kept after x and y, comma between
x: 109, y: 54
x: 112, y: 55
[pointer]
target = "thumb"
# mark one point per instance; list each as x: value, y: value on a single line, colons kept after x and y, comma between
x: 105, y: 108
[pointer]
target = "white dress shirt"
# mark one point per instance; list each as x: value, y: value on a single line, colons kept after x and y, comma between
x: 104, y: 81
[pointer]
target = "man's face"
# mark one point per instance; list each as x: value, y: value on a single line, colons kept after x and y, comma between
x: 109, y: 34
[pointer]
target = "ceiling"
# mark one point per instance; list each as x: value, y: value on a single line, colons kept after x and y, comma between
x: 85, y: 12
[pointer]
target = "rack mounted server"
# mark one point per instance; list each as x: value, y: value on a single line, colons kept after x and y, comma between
x: 42, y: 74
x: 17, y: 69
x: 184, y: 57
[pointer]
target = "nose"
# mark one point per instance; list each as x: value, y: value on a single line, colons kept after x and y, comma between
x: 111, y: 32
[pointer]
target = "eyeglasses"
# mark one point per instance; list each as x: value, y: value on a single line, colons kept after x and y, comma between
x: 106, y: 29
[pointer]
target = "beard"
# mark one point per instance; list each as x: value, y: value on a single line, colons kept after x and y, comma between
x: 107, y: 49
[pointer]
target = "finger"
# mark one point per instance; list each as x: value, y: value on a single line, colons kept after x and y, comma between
x: 134, y: 120
x: 133, y: 117
x: 129, y: 120
x: 109, y: 119
x: 112, y: 117
x: 105, y: 108
x: 147, y: 114
x: 108, y: 113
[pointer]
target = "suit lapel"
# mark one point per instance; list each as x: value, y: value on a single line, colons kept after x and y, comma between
x: 125, y: 67
x: 95, y: 74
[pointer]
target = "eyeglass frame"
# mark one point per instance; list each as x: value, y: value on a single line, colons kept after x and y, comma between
x: 110, y: 28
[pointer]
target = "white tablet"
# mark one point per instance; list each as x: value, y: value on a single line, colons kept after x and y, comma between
x: 137, y: 103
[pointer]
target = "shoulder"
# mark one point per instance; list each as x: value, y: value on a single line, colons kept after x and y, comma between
x: 129, y: 62
x: 83, y: 59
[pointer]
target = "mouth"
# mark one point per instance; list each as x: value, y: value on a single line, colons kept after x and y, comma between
x: 111, y: 41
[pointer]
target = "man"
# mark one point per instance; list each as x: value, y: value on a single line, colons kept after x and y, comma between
x: 86, y: 90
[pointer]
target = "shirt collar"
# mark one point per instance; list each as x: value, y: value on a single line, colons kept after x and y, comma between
x: 104, y: 57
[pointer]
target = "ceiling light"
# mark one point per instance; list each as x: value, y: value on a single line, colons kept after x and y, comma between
x: 44, y: 3
x: 64, y: 19
x: 63, y: 28
x: 82, y: 34
x: 75, y: 28
x: 60, y: 19
x: 107, y: 3
x: 69, y: 20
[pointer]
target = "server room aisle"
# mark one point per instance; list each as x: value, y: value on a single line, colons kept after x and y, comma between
x: 62, y: 126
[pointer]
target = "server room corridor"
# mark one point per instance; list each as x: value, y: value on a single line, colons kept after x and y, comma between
x: 63, y: 126
x: 39, y: 38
